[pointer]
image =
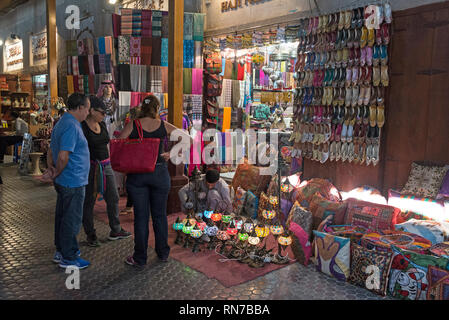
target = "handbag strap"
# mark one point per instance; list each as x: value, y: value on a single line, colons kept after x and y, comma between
x: 139, y: 129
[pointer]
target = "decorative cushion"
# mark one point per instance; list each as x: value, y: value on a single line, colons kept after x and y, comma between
x: 305, y: 193
x: 370, y: 215
x: 302, y: 217
x: 332, y: 255
x: 438, y: 284
x: 382, y: 241
x: 440, y: 250
x: 354, y: 233
x: 250, y: 205
x: 424, y: 181
x: 444, y: 190
x: 301, y: 247
x: 370, y: 269
x: 434, y: 231
x: 239, y: 198
x: 408, y: 276
x: 321, y: 208
x: 248, y: 177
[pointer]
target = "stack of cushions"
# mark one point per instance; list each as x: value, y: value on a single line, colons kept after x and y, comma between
x: 440, y: 250
x: 321, y: 208
x: 383, y: 240
x: 443, y: 194
x: 299, y: 222
x: 305, y: 193
x: 302, y: 217
x: 354, y: 233
x: 248, y: 177
x: 425, y: 181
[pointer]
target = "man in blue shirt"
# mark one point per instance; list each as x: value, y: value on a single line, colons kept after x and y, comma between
x: 68, y: 162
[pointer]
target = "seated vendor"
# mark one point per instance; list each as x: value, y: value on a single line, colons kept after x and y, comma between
x: 21, y: 128
x: 213, y: 193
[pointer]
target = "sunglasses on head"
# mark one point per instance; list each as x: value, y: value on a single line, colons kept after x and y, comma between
x: 101, y: 111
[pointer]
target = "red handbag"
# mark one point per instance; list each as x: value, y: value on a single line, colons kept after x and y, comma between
x: 134, y: 155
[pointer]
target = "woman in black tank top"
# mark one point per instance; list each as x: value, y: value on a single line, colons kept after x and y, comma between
x: 150, y: 190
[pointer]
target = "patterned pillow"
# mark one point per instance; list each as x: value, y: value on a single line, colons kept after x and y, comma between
x: 370, y: 215
x: 332, y: 255
x: 424, y: 181
x: 321, y: 208
x: 305, y: 194
x: 434, y: 231
x: 354, y: 233
x: 438, y: 284
x: 370, y: 269
x: 383, y: 240
x: 249, y: 178
x: 440, y: 250
x: 408, y: 276
x: 302, y: 217
x: 301, y: 247
x: 239, y: 198
x: 250, y: 205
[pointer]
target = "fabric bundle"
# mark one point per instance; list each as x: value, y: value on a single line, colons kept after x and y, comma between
x: 90, y: 59
x: 187, y: 81
x: 189, y: 53
x: 127, y: 21
x: 198, y: 26
x: 146, y: 23
x: 89, y: 46
x: 197, y: 81
x: 69, y: 66
x: 81, y: 47
x: 70, y: 88
x: 137, y: 23
x: 165, y: 25
x: 83, y: 65
x: 188, y: 26
x: 164, y: 52
x: 146, y: 51
x: 225, y: 100
x: 154, y: 79
x: 235, y: 93
x: 156, y: 23
x: 123, y: 49
x: 156, y: 44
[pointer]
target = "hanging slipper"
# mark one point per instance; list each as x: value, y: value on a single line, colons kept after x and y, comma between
x: 385, y: 30
x: 371, y: 37
x: 355, y: 16
x: 333, y: 151
x: 379, y: 36
x: 376, y: 76
x: 366, y: 115
x: 325, y: 153
x: 345, y: 57
x: 338, y: 151
x: 355, y: 95
x: 363, y: 56
x: 327, y: 132
x: 361, y: 20
x: 344, y: 152
x: 369, y: 56
x: 384, y: 76
x: 361, y: 95
x: 348, y: 98
x: 338, y: 132
x: 375, y: 155
x: 369, y: 76
x: 383, y: 55
x: 344, y: 133
x: 364, y: 37
x: 355, y: 76
x: 380, y: 116
x: 376, y: 55
x: 369, y: 154
x: 348, y: 19
x: 350, y: 152
x: 357, y: 36
x: 367, y: 96
x: 350, y: 132
x: 356, y: 153
x: 330, y: 96
x: 373, y: 115
x: 341, y: 20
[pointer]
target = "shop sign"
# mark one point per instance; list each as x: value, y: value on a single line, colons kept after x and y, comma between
x: 236, y: 4
x: 14, y: 56
x: 39, y: 49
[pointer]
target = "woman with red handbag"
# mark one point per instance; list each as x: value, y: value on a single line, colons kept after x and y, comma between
x: 149, y: 190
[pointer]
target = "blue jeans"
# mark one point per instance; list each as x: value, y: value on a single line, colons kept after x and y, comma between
x: 68, y: 219
x: 150, y: 191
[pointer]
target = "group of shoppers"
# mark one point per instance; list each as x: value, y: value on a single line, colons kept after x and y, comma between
x: 79, y: 165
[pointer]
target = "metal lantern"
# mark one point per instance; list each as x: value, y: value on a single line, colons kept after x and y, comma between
x: 238, y: 223
x: 243, y: 236
x: 253, y: 240
x: 191, y: 221
x: 226, y: 218
x: 187, y: 229
x: 196, y: 234
x: 277, y: 229
x: 262, y: 231
x: 211, y: 231
x: 283, y: 242
x: 178, y: 226
x: 269, y: 214
x: 207, y: 214
x: 248, y: 226
x: 232, y: 230
x: 216, y: 217
x: 223, y: 236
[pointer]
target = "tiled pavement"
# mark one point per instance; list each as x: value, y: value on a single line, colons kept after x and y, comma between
x: 27, y: 272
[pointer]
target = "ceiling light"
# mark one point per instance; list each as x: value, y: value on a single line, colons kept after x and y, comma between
x: 112, y: 1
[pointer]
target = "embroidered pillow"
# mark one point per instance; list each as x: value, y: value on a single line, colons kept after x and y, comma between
x: 321, y: 208
x: 370, y: 269
x: 440, y: 249
x: 354, y: 233
x: 424, y: 181
x: 434, y: 231
x: 301, y: 247
x: 239, y: 198
x: 370, y: 215
x: 302, y: 217
x: 408, y: 276
x: 332, y: 255
x: 383, y: 240
x: 248, y: 177
x: 438, y: 284
x: 305, y: 193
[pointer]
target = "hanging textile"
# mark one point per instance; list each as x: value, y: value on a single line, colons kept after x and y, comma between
x: 91, y: 64
x: 188, y: 26
x: 76, y: 85
x: 127, y: 21
x: 116, y: 24
x: 89, y: 46
x: 82, y: 63
x: 226, y: 118
x: 124, y: 49
x: 101, y: 45
x: 135, y: 99
x: 146, y: 51
x: 146, y: 23
x: 240, y: 71
x: 228, y: 69
x: 189, y: 53
x: 156, y: 23
x: 235, y: 93
x: 137, y: 23
x: 164, y: 77
x: 187, y: 81
x: 165, y: 24
x: 197, y: 81
x: 156, y: 43
x: 198, y: 55
x: 69, y: 66
x: 70, y: 88
x: 135, y: 46
x: 81, y: 48
x: 198, y: 26
x: 225, y: 100
x: 71, y: 48
x: 155, y: 79
x: 164, y: 52
x: 125, y: 77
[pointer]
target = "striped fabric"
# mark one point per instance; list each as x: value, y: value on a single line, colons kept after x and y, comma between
x: 75, y: 66
x: 116, y: 24
x: 164, y: 72
x: 127, y: 21
x: 69, y: 66
x: 137, y: 23
x: 145, y: 51
x: 146, y: 23
x: 156, y: 23
x: 81, y: 47
x: 198, y: 26
x: 198, y: 55
x: 164, y: 52
x: 154, y: 79
x: 165, y: 24
x: 91, y: 64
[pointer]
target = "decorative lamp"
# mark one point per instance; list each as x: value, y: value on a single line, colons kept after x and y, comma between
x: 238, y: 221
x: 190, y: 220
x: 196, y: 233
x: 277, y: 230
x: 253, y: 239
x: 232, y: 230
x: 187, y: 229
x: 226, y: 218
x: 201, y: 225
x: 223, y: 236
x: 207, y: 214
x: 248, y: 226
x: 262, y: 231
x: 273, y: 201
x: 269, y: 214
x: 243, y: 236
x: 178, y: 226
x: 216, y: 217
x: 211, y: 231
x: 283, y: 242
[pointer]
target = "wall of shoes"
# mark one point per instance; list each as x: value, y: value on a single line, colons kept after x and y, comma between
x: 342, y: 74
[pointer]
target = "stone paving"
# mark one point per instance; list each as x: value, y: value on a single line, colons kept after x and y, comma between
x: 27, y: 272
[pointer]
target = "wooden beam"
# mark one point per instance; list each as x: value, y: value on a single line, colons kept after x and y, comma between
x: 52, y: 59
x: 175, y: 62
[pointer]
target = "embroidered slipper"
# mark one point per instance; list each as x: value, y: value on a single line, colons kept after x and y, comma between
x: 355, y: 76
x: 371, y: 37
x: 364, y: 37
x: 330, y: 96
x: 384, y: 76
x: 356, y: 133
x: 348, y: 77
x: 344, y: 152
x: 355, y: 17
x: 357, y: 54
x: 345, y: 57
x: 341, y: 20
x: 356, y: 152
x: 365, y: 115
x: 333, y: 151
x: 361, y: 95
x: 361, y: 20
x: 380, y: 116
x: 344, y: 132
x: 350, y: 152
x: 338, y: 132
x: 325, y: 153
x: 369, y: 154
x: 369, y: 75
x: 385, y: 29
x: 363, y: 56
x: 350, y: 132
x: 376, y: 76
x: 372, y: 115
x: 367, y: 96
x: 338, y: 151
x: 383, y: 55
x: 348, y: 19
x: 375, y: 155
x: 387, y: 13
x: 357, y: 36
x: 362, y: 75
x: 376, y: 55
x: 379, y: 36
x: 355, y: 95
x: 350, y: 39
x: 327, y: 132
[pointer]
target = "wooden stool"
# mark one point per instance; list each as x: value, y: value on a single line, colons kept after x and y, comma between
x: 35, y: 157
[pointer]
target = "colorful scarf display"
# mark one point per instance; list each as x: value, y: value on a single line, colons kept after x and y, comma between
x: 146, y: 51
x: 164, y: 52
x: 197, y: 81
x: 137, y: 23
x: 146, y: 23
x: 187, y: 81
x: 156, y: 44
x: 127, y: 21
x: 188, y: 26
x: 198, y: 26
x: 156, y: 23
x: 123, y: 49
x: 189, y: 53
x: 165, y: 25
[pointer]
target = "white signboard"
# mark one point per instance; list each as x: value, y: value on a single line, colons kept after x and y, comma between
x: 13, y: 56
